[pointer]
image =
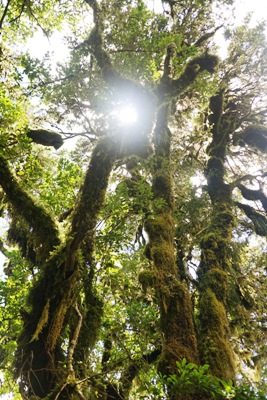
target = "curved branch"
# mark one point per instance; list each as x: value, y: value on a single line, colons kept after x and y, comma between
x: 95, y: 42
x: 112, y: 77
x: 253, y: 195
x: 203, y: 39
x: 173, y: 88
x: 93, y: 192
x: 39, y: 221
x: 4, y: 14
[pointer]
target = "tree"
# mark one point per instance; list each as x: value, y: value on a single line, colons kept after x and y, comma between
x: 100, y: 294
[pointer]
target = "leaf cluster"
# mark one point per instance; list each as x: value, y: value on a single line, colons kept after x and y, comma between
x: 194, y: 380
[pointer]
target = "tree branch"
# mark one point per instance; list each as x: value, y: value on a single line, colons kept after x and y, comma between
x: 4, y: 14
x: 173, y: 88
x: 95, y: 42
x: 44, y: 230
x: 93, y: 192
x: 73, y: 342
x: 45, y: 137
x: 203, y: 39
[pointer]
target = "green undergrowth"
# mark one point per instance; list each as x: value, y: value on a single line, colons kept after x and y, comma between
x: 194, y: 381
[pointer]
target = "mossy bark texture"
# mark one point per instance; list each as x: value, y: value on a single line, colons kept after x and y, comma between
x: 213, y: 334
x: 39, y: 353
x: 176, y: 315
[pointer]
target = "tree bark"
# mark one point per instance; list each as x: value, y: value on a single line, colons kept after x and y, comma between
x: 213, y: 335
x: 176, y: 314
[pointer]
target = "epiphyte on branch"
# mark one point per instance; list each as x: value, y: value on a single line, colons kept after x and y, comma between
x: 45, y: 138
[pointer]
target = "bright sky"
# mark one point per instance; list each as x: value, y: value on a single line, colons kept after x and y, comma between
x: 39, y: 44
x: 257, y: 6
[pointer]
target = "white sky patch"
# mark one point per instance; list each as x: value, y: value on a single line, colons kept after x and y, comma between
x: 241, y: 9
x: 155, y: 5
x: 258, y: 7
x: 39, y: 45
x: 7, y: 396
x: 198, y: 181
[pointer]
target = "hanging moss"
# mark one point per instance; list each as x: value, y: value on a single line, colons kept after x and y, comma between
x: 19, y: 234
x: 42, y: 322
x: 57, y: 320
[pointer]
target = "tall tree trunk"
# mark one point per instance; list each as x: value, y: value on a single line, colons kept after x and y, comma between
x: 176, y: 314
x: 214, y: 343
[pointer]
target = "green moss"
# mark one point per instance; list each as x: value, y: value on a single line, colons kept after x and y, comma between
x: 178, y: 327
x: 217, y: 353
x: 213, y: 336
x: 216, y: 279
x: 163, y: 256
x: 93, y: 320
x: 209, y: 241
x: 160, y: 228
x: 224, y: 219
x: 162, y: 187
x: 215, y: 244
x: 212, y: 312
x: 41, y: 228
x: 146, y: 279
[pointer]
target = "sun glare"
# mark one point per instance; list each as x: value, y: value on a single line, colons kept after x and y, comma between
x: 127, y: 115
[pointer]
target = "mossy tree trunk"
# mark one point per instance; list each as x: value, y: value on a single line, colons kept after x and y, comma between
x: 39, y: 353
x: 66, y: 267
x: 176, y: 315
x: 41, y: 364
x: 176, y: 312
x: 213, y: 334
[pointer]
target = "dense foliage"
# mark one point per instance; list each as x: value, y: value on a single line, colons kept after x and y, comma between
x: 134, y: 246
